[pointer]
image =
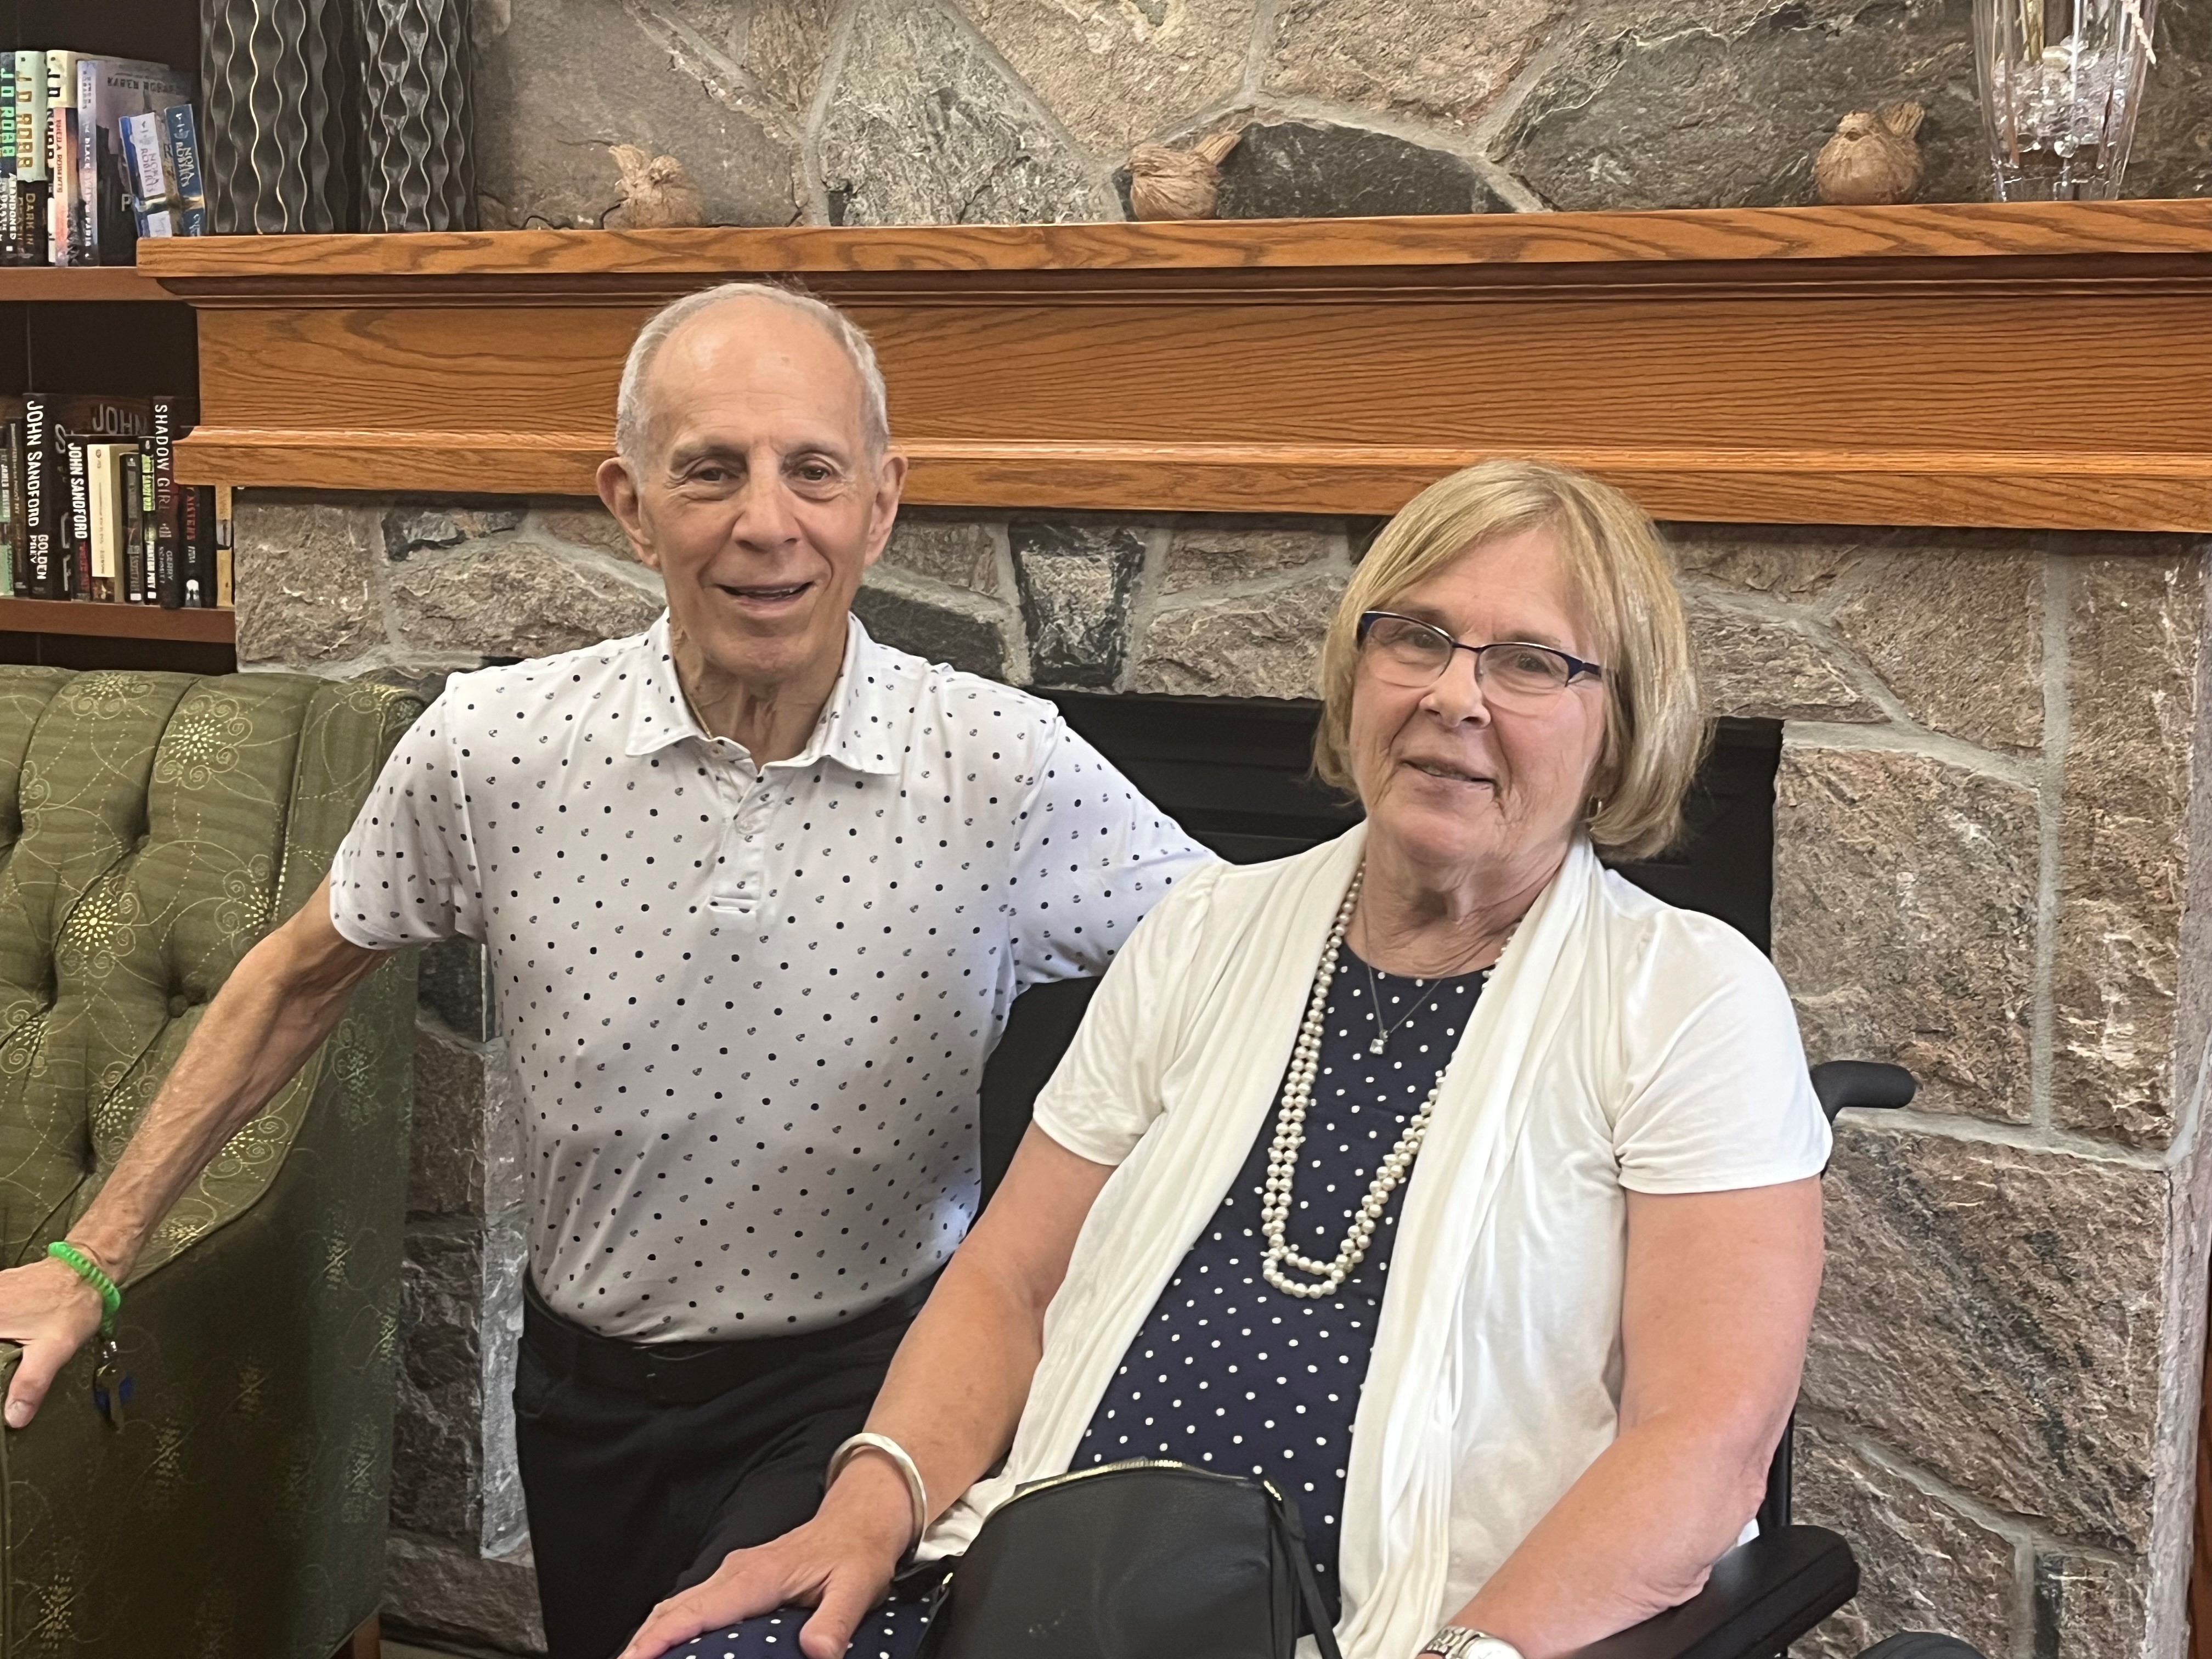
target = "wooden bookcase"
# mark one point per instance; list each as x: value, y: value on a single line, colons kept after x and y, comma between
x: 106, y: 329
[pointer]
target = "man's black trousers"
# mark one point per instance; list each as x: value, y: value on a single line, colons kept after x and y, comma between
x: 636, y: 1489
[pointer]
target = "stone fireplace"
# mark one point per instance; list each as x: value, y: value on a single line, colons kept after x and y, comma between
x: 1989, y: 865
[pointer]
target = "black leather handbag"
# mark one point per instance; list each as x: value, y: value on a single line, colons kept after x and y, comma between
x: 1144, y: 1559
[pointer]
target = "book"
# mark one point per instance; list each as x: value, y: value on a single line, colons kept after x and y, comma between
x: 225, y: 594
x: 194, y: 509
x: 172, y: 418
x: 64, y: 219
x: 11, y: 565
x: 77, y: 511
x: 146, y: 163
x: 109, y: 88
x: 129, y: 550
x: 41, y: 505
x: 183, y: 148
x: 147, y: 593
x: 102, y: 533
x: 30, y: 188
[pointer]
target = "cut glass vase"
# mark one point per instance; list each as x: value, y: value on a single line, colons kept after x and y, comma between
x: 2061, y: 80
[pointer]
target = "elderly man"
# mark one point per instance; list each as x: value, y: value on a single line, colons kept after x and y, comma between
x: 756, y: 892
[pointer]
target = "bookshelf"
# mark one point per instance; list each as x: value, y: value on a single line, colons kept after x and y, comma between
x: 110, y: 329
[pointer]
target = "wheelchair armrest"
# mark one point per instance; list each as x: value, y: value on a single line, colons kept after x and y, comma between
x: 1867, y: 1084
x: 1762, y: 1595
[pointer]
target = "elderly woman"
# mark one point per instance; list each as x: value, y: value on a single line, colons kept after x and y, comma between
x: 1438, y: 1173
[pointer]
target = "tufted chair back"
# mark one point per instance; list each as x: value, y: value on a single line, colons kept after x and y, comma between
x: 153, y: 826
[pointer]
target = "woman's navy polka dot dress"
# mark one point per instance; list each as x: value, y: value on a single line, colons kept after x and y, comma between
x: 1229, y: 1373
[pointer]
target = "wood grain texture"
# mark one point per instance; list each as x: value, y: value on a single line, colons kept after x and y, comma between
x: 1971, y: 365
x: 87, y: 282
x: 86, y: 619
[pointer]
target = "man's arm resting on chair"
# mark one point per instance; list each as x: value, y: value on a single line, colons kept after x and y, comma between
x: 279, y: 1003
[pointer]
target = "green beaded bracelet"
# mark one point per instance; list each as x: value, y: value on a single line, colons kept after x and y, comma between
x: 111, y: 1300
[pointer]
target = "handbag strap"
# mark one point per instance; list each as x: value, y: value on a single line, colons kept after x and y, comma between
x: 1285, y: 1520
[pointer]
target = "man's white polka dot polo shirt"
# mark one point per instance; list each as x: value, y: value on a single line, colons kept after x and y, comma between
x: 749, y: 1006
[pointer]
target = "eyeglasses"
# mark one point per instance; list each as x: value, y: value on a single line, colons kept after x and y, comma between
x: 1406, y: 652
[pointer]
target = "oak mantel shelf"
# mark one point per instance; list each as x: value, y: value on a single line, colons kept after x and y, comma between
x: 2034, y: 365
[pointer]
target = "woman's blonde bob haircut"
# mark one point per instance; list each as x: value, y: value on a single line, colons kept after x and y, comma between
x: 1623, y: 579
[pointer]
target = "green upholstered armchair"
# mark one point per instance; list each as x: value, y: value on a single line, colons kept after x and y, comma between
x: 152, y: 827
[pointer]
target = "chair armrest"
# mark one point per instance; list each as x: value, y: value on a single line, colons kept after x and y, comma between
x: 1762, y: 1595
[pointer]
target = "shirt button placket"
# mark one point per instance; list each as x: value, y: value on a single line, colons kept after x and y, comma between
x: 742, y: 872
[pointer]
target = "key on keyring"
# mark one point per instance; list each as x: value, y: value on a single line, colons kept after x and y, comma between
x: 111, y: 1386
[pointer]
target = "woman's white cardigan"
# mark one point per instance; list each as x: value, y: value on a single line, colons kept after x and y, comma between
x: 1468, y: 1430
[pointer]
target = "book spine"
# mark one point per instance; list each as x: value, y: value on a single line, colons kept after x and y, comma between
x: 128, y: 486
x: 99, y: 533
x: 11, y: 566
x: 84, y: 231
x: 61, y: 154
x: 180, y: 132
x: 37, y: 499
x: 168, y: 576
x: 219, y: 534
x: 149, y: 592
x: 78, y: 571
x: 192, y: 526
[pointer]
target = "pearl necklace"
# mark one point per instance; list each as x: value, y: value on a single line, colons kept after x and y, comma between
x: 1328, y: 1276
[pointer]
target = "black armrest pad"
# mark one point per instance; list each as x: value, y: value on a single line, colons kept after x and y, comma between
x: 1761, y: 1596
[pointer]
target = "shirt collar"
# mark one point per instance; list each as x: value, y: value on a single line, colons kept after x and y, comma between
x: 857, y: 729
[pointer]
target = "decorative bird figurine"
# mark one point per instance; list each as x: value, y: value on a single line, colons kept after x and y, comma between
x: 656, y: 193
x: 1178, y: 183
x: 1872, y: 158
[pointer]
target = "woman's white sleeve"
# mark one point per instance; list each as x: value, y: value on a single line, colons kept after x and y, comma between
x: 1106, y: 1091
x: 1718, y: 1097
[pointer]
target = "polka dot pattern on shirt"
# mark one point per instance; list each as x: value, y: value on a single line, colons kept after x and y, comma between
x: 748, y: 1006
x: 1230, y: 1373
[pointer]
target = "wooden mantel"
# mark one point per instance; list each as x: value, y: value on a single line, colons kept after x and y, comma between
x: 2027, y: 365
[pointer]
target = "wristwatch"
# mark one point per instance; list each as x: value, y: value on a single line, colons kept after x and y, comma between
x: 1457, y: 1642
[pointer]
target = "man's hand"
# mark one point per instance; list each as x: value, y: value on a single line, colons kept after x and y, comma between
x: 52, y: 1313
x: 840, y: 1564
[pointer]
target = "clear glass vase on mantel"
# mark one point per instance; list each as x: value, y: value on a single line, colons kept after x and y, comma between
x: 2062, y: 81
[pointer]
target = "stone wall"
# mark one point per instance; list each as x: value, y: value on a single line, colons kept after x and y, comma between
x: 1986, y: 869
x: 876, y: 112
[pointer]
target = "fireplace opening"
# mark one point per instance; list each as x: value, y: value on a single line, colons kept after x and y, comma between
x: 1237, y: 775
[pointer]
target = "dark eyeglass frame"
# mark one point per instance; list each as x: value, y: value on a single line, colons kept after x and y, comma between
x: 1577, y: 668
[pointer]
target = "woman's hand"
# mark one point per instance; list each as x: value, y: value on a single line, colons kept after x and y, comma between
x: 840, y: 1564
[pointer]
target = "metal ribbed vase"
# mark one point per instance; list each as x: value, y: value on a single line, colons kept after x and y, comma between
x: 272, y: 151
x: 416, y: 173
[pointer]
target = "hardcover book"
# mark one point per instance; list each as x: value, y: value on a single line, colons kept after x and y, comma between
x: 146, y: 165
x: 12, y: 577
x: 103, y: 531
x: 183, y: 158
x: 41, y: 507
x: 63, y: 217
x: 77, y: 568
x: 172, y: 418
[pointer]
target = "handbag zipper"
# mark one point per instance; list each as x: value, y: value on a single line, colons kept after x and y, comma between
x: 1048, y: 1482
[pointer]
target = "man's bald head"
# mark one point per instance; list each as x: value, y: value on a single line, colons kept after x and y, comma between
x: 633, y: 403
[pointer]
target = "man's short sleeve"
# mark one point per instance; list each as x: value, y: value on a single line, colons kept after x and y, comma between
x: 1091, y: 857
x: 406, y: 873
x: 1719, y: 1098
